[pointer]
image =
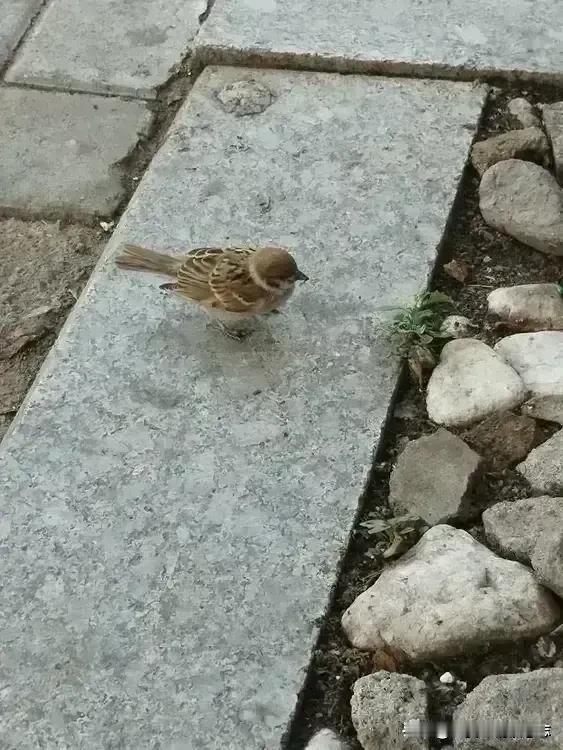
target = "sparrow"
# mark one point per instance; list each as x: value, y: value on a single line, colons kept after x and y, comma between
x: 231, y: 283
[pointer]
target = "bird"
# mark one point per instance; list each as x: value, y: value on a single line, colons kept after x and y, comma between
x: 232, y: 283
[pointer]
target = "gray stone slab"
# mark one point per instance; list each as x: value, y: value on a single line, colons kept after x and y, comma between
x: 399, y: 36
x: 59, y: 151
x: 112, y: 46
x: 15, y: 17
x: 175, y: 503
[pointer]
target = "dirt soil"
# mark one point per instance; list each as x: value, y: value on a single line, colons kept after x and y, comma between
x: 495, y: 260
x: 44, y: 268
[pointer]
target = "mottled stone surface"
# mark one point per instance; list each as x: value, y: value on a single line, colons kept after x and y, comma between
x: 470, y: 383
x: 529, y: 143
x: 516, y: 528
x: 381, y: 704
x: 523, y: 200
x: 446, y: 596
x: 433, y: 478
x: 528, y: 307
x: 15, y: 17
x: 543, y: 468
x: 536, y: 697
x: 109, y: 46
x: 326, y: 739
x: 59, y: 152
x: 523, y: 113
x: 175, y: 503
x: 537, y: 358
x: 549, y: 408
x: 389, y: 35
x: 553, y: 119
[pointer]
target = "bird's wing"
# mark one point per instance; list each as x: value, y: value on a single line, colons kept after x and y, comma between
x: 195, y: 273
x: 232, y: 285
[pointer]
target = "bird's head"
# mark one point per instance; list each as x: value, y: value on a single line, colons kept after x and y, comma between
x: 274, y: 268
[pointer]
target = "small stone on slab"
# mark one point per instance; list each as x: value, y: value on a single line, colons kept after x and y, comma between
x: 529, y: 143
x: 553, y: 120
x: 523, y: 113
x: 532, y: 697
x: 538, y: 360
x: 446, y: 596
x: 381, y: 705
x: 107, y: 46
x: 433, y: 478
x: 59, y: 152
x: 502, y: 439
x: 471, y: 382
x: 544, y: 466
x: 524, y: 201
x: 528, y: 307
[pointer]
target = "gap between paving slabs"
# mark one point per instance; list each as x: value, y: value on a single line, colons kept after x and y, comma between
x: 127, y: 343
x: 495, y: 260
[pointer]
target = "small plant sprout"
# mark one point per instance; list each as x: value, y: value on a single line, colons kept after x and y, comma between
x: 417, y: 331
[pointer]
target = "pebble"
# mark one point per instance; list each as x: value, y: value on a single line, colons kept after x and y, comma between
x: 543, y: 468
x: 326, y: 739
x: 524, y: 201
x: 523, y: 113
x: 447, y: 678
x: 528, y: 307
x: 458, y: 327
x: 433, y: 478
x: 448, y: 595
x: 553, y: 120
x: 471, y: 382
x: 538, y: 360
x: 382, y: 703
x: 529, y: 143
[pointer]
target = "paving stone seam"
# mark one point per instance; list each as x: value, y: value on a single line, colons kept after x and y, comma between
x: 203, y: 56
x: 31, y: 23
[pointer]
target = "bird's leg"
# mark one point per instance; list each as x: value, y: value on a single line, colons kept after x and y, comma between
x: 232, y: 333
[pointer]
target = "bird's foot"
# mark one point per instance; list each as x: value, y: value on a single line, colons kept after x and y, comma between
x: 236, y: 334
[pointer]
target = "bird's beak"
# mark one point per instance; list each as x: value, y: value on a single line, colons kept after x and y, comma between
x: 301, y: 276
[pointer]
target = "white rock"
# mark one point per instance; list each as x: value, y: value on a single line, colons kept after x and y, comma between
x: 458, y: 327
x: 326, y: 739
x: 448, y: 595
x: 524, y: 201
x: 523, y: 113
x: 553, y: 119
x: 538, y: 360
x: 433, y: 478
x: 544, y: 466
x: 517, y: 528
x: 529, y: 307
x: 530, y: 143
x: 447, y: 678
x: 470, y: 382
x: 381, y: 704
x: 548, y: 408
x: 532, y: 697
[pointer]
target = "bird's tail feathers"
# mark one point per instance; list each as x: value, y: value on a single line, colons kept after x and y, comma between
x: 137, y: 258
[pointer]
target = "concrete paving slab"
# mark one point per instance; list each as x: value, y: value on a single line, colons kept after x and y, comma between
x: 108, y: 46
x: 514, y: 38
x: 59, y: 151
x: 175, y: 503
x: 16, y: 16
